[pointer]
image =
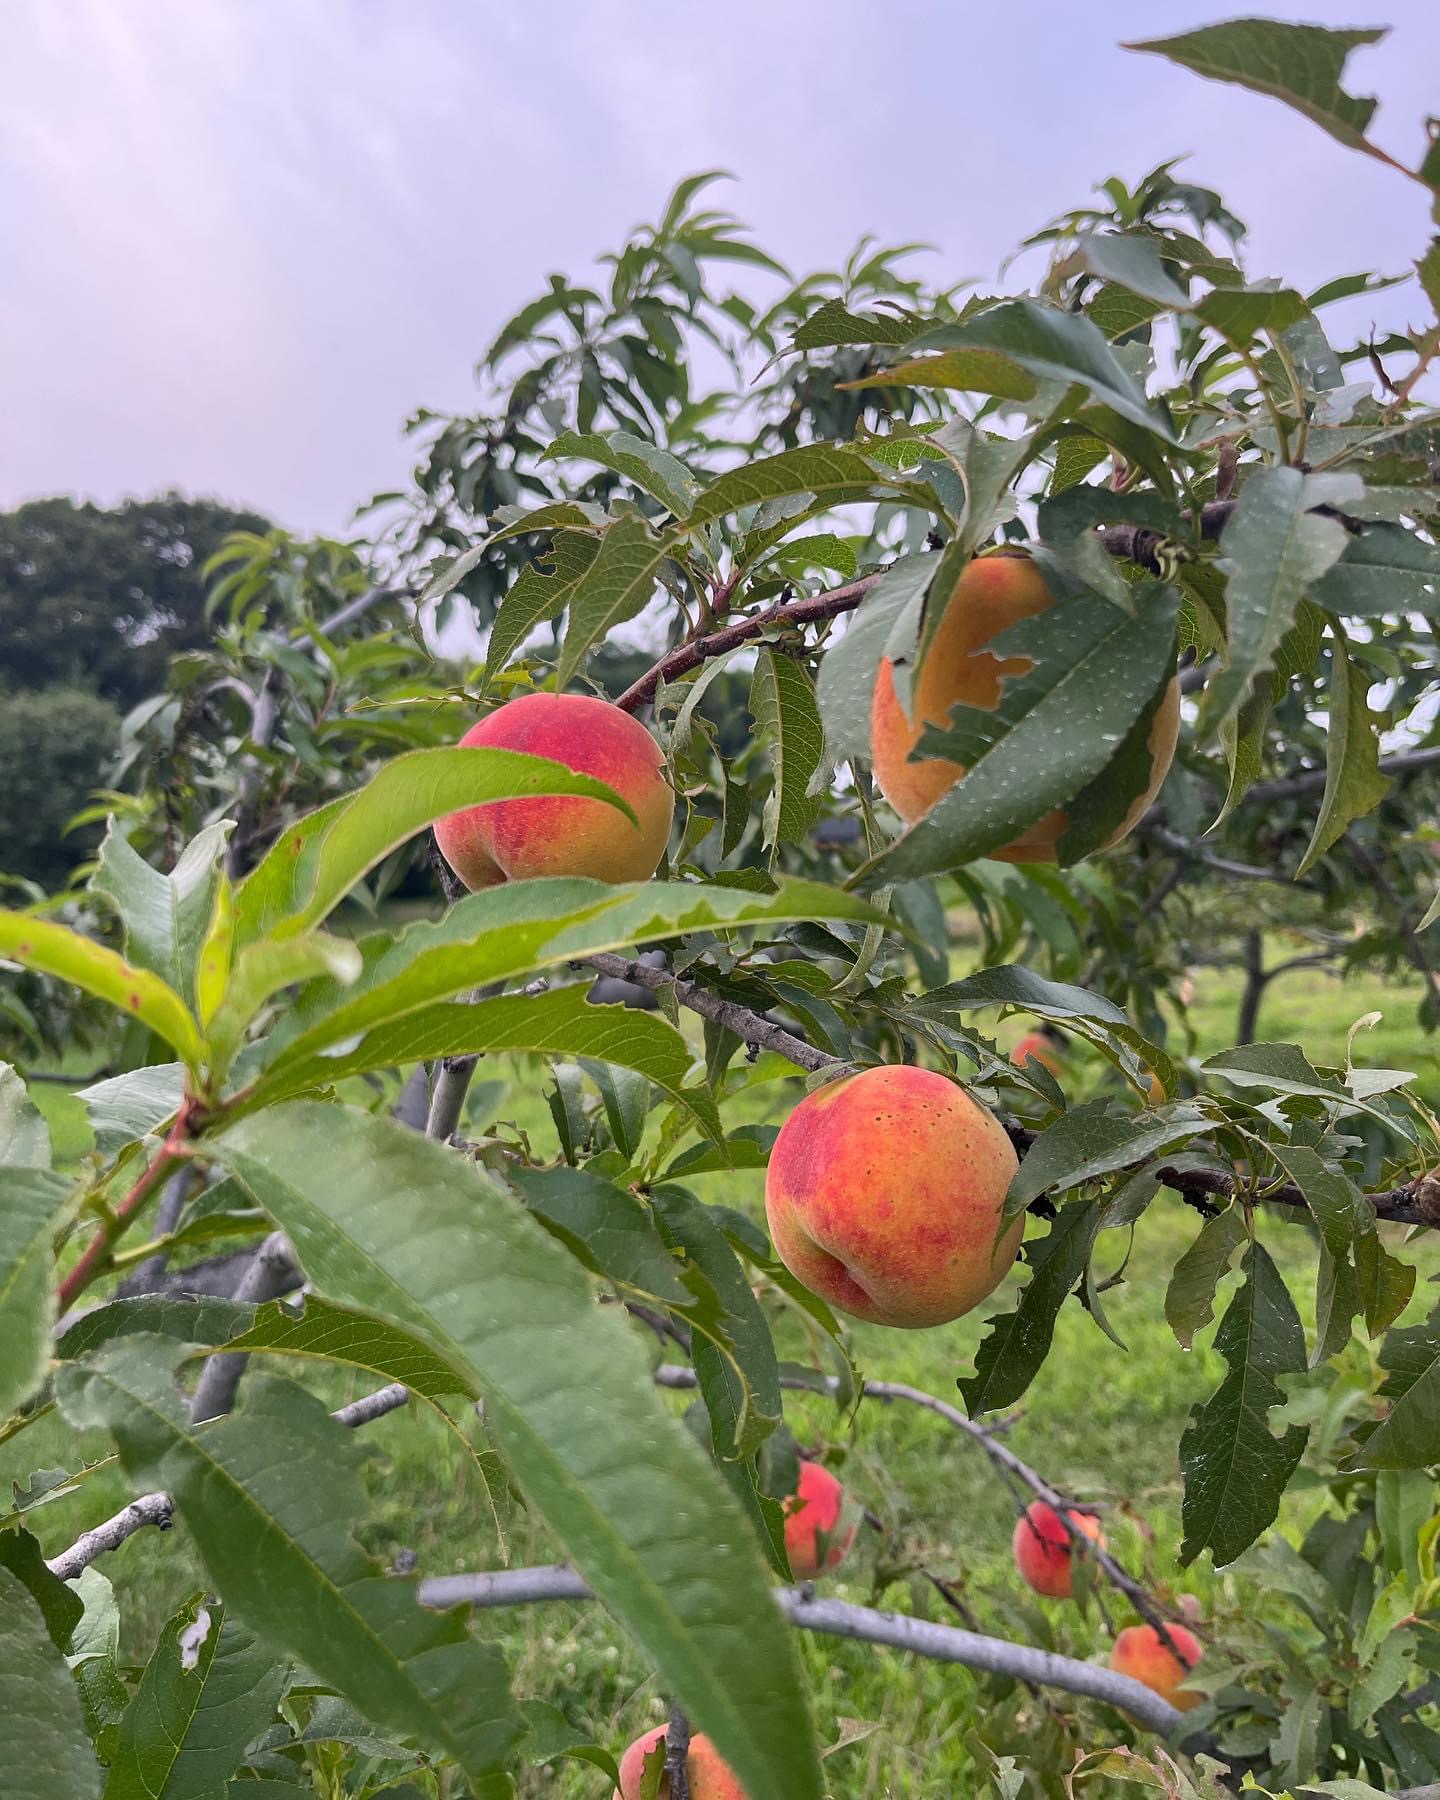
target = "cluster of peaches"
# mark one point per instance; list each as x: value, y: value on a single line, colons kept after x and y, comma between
x: 885, y: 1189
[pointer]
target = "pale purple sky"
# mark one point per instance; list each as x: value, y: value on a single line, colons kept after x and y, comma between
x: 242, y: 239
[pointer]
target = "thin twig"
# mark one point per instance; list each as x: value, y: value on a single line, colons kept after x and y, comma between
x: 837, y: 1618
x: 273, y: 1271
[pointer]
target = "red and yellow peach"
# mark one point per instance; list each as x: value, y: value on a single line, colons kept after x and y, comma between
x: 813, y: 1519
x: 884, y: 1196
x: 564, y: 834
x: 1139, y: 1652
x: 994, y: 593
x: 709, y: 1778
x: 1044, y: 1550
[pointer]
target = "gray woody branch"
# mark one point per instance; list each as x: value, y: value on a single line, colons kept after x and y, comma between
x: 837, y: 1618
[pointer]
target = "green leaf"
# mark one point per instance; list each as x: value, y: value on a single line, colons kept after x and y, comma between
x: 1408, y: 1437
x: 653, y: 470
x: 323, y: 1600
x: 264, y: 969
x: 610, y: 1231
x: 1018, y: 1342
x: 616, y: 586
x: 208, y: 1320
x: 1132, y: 261
x: 574, y: 514
x: 834, y: 325
x: 208, y: 1689
x: 562, y: 1022
x: 60, y: 1606
x: 821, y: 470
x: 32, y: 1202
x: 24, y: 1135
x: 1299, y: 64
x: 384, y: 1219
x: 166, y: 917
x: 1273, y: 548
x: 1354, y: 783
x: 125, y: 1108
x: 56, y: 950
x: 740, y: 1383
x: 1340, y: 1210
x: 1235, y: 1470
x: 1190, y: 1295
x: 523, y: 926
x: 1387, y: 569
x: 845, y: 686
x: 1010, y: 984
x: 322, y: 1331
x: 787, y: 722
x: 1241, y: 314
x: 966, y: 371
x: 1056, y: 346
x: 316, y: 861
x: 1091, y: 1140
x: 47, y: 1754
x: 539, y: 592
x: 550, y: 1735
x: 1094, y: 668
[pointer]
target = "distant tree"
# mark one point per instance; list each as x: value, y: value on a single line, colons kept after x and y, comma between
x: 105, y: 597
x: 54, y: 745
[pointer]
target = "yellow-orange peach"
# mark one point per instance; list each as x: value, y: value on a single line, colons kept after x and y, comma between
x: 1043, y: 1549
x: 994, y: 593
x: 884, y: 1196
x: 1139, y: 1652
x: 1155, y: 1089
x: 814, y: 1512
x: 564, y: 834
x: 710, y: 1779
x: 1043, y: 1049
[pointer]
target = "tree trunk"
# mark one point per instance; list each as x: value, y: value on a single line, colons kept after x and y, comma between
x: 1255, y: 983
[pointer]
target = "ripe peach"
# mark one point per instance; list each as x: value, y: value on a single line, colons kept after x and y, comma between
x: 994, y: 593
x: 564, y: 834
x: 1043, y: 1550
x: 710, y: 1779
x: 1042, y: 1047
x: 812, y: 1511
x: 884, y: 1196
x: 1139, y: 1652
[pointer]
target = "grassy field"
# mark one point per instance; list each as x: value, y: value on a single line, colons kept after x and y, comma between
x: 1100, y: 1421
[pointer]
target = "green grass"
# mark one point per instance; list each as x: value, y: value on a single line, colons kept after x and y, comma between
x: 1101, y: 1421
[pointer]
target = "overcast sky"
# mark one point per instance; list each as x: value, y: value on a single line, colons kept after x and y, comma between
x: 241, y: 239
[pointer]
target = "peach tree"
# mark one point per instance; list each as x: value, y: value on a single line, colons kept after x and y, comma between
x: 1022, y: 593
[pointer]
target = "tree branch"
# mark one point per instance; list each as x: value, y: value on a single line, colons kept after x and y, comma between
x: 1403, y: 762
x: 747, y: 1025
x: 837, y: 1618
x: 273, y: 1271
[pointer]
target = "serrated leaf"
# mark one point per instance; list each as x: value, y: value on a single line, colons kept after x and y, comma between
x: 24, y: 1135
x: 1386, y: 569
x: 1273, y: 548
x: 1055, y: 346
x: 1094, y: 668
x: 1235, y: 1471
x: 165, y: 917
x: 610, y: 1231
x: 653, y: 470
x: 1299, y: 64
x: 1131, y: 260
x: 1010, y: 1355
x: 323, y: 1331
x: 524, y: 926
x: 1408, y: 1437
x: 1340, y: 1210
x: 208, y: 1320
x: 562, y: 1022
x: 560, y: 514
x: 1091, y: 1140
x: 834, y: 325
x: 966, y: 371
x: 208, y: 1689
x: 56, y: 950
x: 1190, y: 1295
x: 323, y: 1600
x: 1239, y: 314
x: 739, y: 1381
x: 538, y: 593
x: 316, y: 861
x: 787, y: 722
x: 32, y: 1202
x: 846, y: 683
x: 385, y: 1219
x: 125, y: 1108
x: 47, y: 1752
x: 822, y: 470
x: 1354, y: 783
x: 60, y: 1606
x: 617, y: 585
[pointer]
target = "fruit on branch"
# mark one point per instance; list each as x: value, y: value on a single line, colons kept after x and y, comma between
x: 564, y: 834
x: 994, y: 593
x: 1044, y: 1552
x: 818, y: 1534
x: 1155, y: 1090
x: 710, y: 1779
x: 1139, y: 1652
x: 1044, y: 1048
x: 884, y: 1196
